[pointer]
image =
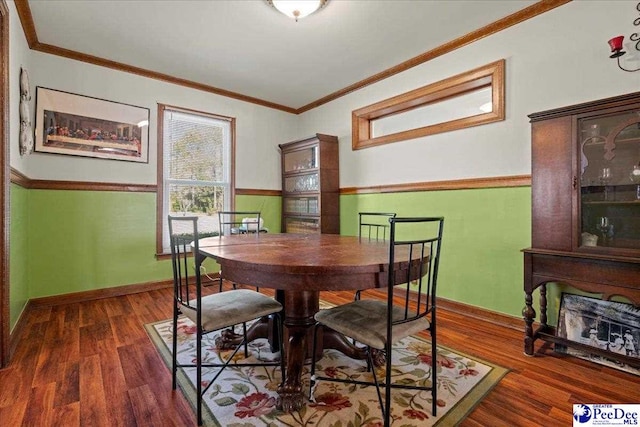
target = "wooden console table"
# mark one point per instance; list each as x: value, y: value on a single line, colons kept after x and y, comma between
x: 605, y: 275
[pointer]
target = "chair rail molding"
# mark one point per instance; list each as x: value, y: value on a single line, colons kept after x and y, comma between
x: 24, y: 181
x: 456, y: 184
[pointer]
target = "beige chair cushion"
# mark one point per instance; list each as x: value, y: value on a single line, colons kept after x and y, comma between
x: 366, y: 322
x: 229, y: 308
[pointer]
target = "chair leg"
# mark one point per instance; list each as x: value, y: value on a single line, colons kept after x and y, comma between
x: 387, y: 401
x: 356, y: 297
x: 246, y: 345
x: 199, y: 375
x: 434, y: 379
x: 385, y: 412
x: 312, y: 381
x: 280, y: 326
x: 174, y: 357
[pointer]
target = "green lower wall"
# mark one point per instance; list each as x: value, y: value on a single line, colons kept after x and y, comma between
x: 73, y: 241
x: 85, y: 240
x: 484, y: 231
x: 18, y: 254
x: 270, y: 208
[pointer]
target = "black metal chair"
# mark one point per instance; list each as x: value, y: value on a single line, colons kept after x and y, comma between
x: 414, y: 256
x: 373, y: 226
x: 239, y: 222
x: 213, y: 312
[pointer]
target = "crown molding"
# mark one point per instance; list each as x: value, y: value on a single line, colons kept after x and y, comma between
x: 28, y: 26
x: 495, y: 27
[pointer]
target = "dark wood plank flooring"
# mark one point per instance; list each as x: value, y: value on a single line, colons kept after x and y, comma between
x: 92, y: 364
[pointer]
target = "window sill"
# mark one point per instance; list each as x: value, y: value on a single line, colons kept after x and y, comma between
x: 163, y: 256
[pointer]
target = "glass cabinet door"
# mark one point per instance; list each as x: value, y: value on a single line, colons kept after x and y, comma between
x: 301, y: 205
x: 302, y: 183
x: 301, y: 159
x: 609, y: 154
x: 301, y: 225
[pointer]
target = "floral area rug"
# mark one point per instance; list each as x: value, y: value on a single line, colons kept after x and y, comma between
x: 246, y: 397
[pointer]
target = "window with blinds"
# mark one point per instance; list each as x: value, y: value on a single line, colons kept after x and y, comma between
x: 197, y: 167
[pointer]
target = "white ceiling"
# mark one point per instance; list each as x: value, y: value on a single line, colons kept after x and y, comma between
x: 247, y: 47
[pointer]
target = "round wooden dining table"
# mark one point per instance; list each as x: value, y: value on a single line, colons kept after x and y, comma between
x: 298, y: 267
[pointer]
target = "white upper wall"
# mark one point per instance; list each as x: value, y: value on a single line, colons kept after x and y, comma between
x: 555, y: 59
x: 19, y: 56
x: 259, y: 130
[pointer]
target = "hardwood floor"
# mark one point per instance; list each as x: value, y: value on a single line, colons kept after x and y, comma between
x: 92, y: 364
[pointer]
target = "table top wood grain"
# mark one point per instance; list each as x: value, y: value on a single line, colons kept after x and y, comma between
x: 292, y: 261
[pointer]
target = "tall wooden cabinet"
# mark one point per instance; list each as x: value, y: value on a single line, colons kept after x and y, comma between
x: 311, y: 185
x: 585, y: 183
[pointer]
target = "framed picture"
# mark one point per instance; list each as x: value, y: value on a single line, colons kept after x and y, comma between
x: 78, y: 125
x: 607, y: 325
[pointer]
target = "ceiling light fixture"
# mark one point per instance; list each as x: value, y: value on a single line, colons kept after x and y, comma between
x: 616, y: 45
x: 297, y: 9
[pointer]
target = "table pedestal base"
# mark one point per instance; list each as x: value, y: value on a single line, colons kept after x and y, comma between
x: 300, y: 308
x: 263, y: 328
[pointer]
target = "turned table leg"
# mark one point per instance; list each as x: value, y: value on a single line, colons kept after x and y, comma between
x: 543, y: 305
x: 528, y: 313
x: 290, y: 392
x: 300, y: 307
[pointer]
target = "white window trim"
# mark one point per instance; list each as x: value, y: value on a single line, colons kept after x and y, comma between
x: 162, y: 207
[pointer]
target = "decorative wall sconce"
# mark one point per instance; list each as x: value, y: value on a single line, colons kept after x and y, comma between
x: 616, y: 45
x: 26, y: 129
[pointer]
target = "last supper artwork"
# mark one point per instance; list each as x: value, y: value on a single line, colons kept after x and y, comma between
x: 88, y: 134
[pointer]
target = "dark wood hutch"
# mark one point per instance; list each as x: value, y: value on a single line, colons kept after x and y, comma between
x: 311, y: 185
x: 585, y: 183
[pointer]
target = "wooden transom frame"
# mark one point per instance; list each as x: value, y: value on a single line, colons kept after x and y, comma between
x: 491, y: 75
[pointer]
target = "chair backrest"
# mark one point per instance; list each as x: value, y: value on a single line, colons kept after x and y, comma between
x: 374, y: 225
x: 183, y: 238
x: 239, y: 222
x: 414, y: 242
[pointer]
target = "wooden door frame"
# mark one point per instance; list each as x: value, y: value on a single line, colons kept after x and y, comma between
x: 4, y: 186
